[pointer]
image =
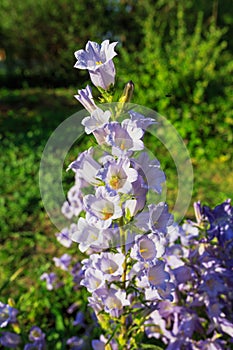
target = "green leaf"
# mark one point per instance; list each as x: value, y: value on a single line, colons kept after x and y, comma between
x: 151, y: 347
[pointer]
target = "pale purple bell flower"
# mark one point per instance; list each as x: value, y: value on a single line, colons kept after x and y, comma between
x: 97, y: 120
x: 160, y: 218
x: 140, y: 120
x: 10, y: 340
x: 63, y: 237
x: 89, y: 236
x: 97, y: 59
x: 7, y: 314
x: 124, y: 138
x: 86, y: 167
x: 50, y: 279
x: 102, y: 208
x: 86, y: 99
x: 118, y: 175
x: 113, y: 300
x: 111, y: 265
x: 93, y: 280
x: 63, y: 262
x: 150, y: 170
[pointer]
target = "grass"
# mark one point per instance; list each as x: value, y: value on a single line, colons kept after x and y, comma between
x: 27, y: 242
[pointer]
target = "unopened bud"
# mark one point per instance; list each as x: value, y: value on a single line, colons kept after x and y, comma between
x: 127, y: 93
x: 11, y: 302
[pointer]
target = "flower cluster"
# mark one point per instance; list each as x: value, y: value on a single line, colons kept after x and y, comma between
x: 125, y: 239
x: 12, y: 338
x: 201, y: 269
x: 150, y: 281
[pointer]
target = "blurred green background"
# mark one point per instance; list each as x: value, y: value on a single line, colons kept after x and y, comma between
x: 179, y: 56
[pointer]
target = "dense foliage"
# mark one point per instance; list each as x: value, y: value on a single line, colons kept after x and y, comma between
x: 39, y: 37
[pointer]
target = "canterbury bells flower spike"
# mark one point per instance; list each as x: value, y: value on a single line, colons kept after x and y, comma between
x: 148, y: 280
x: 97, y: 59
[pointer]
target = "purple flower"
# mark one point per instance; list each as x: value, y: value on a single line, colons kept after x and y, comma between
x: 139, y: 193
x: 113, y: 300
x: 77, y: 274
x: 67, y: 210
x: 74, y: 205
x: 76, y: 343
x: 86, y: 99
x: 221, y: 221
x: 96, y: 121
x: 10, y: 340
x: 160, y: 218
x: 36, y: 334
x: 86, y: 167
x: 7, y: 314
x: 153, y: 280
x: 98, y: 60
x: 140, y: 120
x: 188, y: 324
x: 157, y: 276
x: 124, y: 138
x: 79, y: 319
x: 63, y: 262
x: 182, y: 274
x: 89, y: 236
x: 111, y: 265
x: 188, y: 232
x: 225, y: 326
x: 102, y: 208
x: 144, y: 249
x: 150, y: 171
x: 156, y: 220
x: 95, y: 303
x: 148, y: 247
x: 50, y: 279
x: 118, y: 175
x: 37, y: 337
x: 212, y: 284
x: 101, y: 344
x: 210, y: 344
x: 63, y: 237
x: 93, y: 280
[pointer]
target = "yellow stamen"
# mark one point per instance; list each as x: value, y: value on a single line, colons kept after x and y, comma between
x: 114, y: 182
x: 98, y: 63
x: 110, y: 270
x: 143, y: 250
x: 106, y: 214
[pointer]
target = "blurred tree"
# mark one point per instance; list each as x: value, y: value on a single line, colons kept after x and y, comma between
x: 40, y: 36
x: 184, y: 65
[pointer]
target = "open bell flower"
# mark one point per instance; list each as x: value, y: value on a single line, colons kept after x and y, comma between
x: 102, y: 208
x: 7, y: 314
x: 97, y: 59
x: 97, y: 120
x: 89, y: 236
x: 118, y: 175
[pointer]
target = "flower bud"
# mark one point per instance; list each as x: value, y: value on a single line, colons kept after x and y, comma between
x: 127, y: 93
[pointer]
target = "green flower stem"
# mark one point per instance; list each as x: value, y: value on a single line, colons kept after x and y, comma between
x: 123, y: 335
